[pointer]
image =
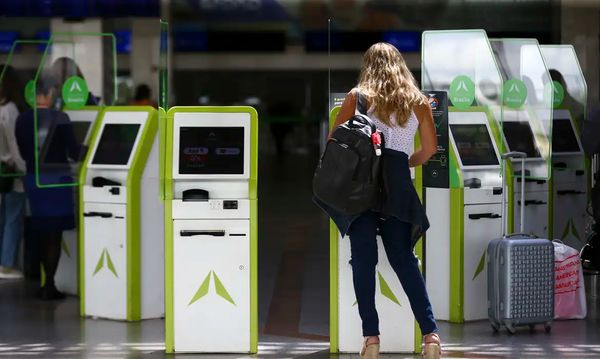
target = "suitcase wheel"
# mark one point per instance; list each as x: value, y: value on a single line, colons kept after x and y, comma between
x: 510, y: 328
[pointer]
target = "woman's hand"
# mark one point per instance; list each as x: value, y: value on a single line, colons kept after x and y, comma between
x: 427, y: 134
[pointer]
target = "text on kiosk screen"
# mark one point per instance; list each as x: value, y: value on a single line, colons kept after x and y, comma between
x: 474, y: 145
x: 116, y: 143
x: 211, y: 150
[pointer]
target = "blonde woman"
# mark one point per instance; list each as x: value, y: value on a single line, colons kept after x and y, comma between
x: 399, y: 109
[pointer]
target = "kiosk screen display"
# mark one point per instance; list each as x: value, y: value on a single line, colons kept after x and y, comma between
x: 474, y: 145
x: 115, y: 144
x: 211, y: 151
x: 563, y: 136
x: 520, y: 138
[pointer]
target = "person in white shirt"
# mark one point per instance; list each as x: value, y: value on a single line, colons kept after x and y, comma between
x: 12, y: 167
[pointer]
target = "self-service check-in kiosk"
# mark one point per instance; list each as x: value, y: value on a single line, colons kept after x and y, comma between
x: 400, y: 332
x: 464, y: 218
x: 67, y: 274
x: 570, y: 170
x: 463, y: 194
x: 121, y: 218
x: 569, y: 184
x: 211, y: 230
x: 520, y: 134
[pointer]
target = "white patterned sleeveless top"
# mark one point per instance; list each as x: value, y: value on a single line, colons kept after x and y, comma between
x: 397, y: 138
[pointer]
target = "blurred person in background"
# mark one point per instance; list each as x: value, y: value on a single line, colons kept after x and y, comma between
x: 12, y: 194
x: 52, y: 209
x: 62, y: 69
x: 143, y: 96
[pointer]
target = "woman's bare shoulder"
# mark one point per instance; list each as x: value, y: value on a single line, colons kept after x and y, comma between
x: 422, y: 110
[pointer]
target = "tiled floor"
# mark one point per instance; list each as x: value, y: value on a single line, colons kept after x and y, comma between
x: 293, y: 300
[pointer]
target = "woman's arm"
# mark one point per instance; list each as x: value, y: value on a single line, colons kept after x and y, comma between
x: 427, y: 134
x: 347, y: 111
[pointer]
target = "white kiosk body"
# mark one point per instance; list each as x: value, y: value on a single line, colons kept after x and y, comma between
x: 67, y: 273
x: 210, y: 220
x: 519, y: 136
x: 121, y: 219
x: 464, y: 219
x: 570, y: 197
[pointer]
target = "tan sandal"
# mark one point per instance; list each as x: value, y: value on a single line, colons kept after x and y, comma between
x: 432, y: 346
x: 369, y: 351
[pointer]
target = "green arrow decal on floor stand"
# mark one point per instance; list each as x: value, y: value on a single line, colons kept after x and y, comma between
x: 65, y: 248
x: 219, y: 288
x: 385, y: 290
x: 480, y: 266
x: 109, y: 263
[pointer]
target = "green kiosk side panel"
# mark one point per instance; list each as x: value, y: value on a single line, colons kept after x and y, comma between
x: 133, y: 209
x: 253, y: 196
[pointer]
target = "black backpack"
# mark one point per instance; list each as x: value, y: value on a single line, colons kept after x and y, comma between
x: 348, y: 176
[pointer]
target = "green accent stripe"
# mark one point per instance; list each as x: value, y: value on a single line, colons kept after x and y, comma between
x: 169, y: 292
x: 333, y: 270
x: 456, y: 255
x: 81, y: 220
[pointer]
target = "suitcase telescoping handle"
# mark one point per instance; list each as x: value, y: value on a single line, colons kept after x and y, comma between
x: 505, y: 157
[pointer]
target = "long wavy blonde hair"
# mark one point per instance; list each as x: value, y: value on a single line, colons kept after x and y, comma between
x: 388, y: 85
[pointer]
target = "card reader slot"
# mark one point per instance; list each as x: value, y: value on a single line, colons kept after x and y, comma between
x: 477, y: 216
x: 193, y: 233
x: 98, y: 214
x: 569, y: 191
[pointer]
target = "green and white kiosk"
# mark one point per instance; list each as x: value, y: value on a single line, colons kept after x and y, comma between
x: 66, y: 279
x: 570, y: 170
x: 121, y: 218
x: 527, y: 127
x: 211, y: 230
x: 400, y: 332
x: 464, y: 203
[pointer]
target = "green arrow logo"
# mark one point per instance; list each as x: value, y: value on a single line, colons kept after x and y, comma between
x: 462, y: 92
x: 105, y: 257
x: 514, y: 93
x: 570, y: 229
x: 219, y: 289
x: 480, y: 266
x: 385, y: 290
x: 75, y: 92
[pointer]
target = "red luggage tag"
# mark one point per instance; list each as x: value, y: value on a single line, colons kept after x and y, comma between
x: 376, y: 140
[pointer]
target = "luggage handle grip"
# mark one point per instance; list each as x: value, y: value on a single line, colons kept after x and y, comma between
x: 527, y: 235
x: 505, y: 156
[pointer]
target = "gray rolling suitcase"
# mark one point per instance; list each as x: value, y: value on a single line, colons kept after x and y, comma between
x: 520, y: 274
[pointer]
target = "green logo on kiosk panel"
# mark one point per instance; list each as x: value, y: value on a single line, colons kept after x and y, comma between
x: 556, y: 90
x: 30, y: 93
x: 514, y: 93
x: 462, y: 92
x: 75, y: 92
x: 204, y: 287
x: 109, y: 263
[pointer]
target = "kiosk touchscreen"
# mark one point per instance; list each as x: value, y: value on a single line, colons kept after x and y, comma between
x: 464, y: 218
x: 121, y: 218
x: 211, y: 230
x: 570, y: 196
x: 399, y: 331
x: 520, y: 136
x: 83, y: 124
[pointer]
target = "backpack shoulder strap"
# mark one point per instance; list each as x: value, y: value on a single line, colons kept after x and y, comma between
x: 361, y: 105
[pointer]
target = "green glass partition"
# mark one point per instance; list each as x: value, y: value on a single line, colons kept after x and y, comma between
x: 527, y: 103
x: 77, y: 70
x: 22, y: 79
x: 163, y: 98
x: 461, y: 62
x: 570, y: 88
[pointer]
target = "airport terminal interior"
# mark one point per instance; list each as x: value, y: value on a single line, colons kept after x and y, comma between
x: 158, y: 191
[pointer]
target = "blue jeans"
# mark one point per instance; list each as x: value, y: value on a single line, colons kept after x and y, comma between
x: 395, y: 235
x: 11, y: 227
